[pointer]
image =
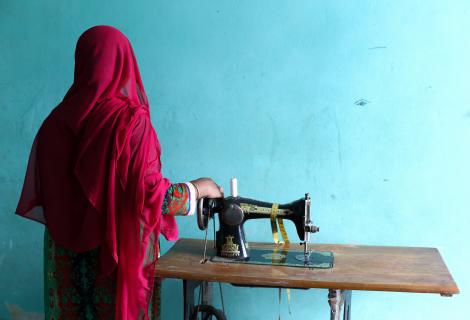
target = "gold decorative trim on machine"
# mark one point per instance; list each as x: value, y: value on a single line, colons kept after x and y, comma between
x: 230, y: 249
x: 262, y: 210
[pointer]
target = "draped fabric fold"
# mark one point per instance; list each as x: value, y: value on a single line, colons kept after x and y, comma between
x: 94, y: 174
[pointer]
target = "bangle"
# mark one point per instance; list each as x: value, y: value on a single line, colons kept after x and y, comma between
x: 197, y: 191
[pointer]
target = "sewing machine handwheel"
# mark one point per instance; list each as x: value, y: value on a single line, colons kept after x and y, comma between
x: 202, y: 219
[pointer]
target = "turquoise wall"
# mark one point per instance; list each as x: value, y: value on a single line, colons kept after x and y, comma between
x: 267, y: 91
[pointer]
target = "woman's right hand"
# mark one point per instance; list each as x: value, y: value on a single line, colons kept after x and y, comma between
x: 207, y: 188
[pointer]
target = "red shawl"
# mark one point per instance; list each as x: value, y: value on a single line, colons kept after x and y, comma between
x: 94, y: 177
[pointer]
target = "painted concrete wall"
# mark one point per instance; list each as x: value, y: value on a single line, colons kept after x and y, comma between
x: 364, y: 104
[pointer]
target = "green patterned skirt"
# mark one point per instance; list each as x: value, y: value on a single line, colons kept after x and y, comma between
x: 72, y: 289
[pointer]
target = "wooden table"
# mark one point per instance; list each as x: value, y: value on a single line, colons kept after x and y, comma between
x: 371, y: 268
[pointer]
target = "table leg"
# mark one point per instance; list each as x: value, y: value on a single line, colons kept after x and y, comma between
x: 206, y: 295
x: 347, y: 304
x: 189, y: 287
x: 337, y: 299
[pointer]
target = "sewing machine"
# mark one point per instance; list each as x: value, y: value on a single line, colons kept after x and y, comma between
x: 234, y: 211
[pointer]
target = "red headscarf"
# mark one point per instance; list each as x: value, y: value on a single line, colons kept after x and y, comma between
x: 94, y: 177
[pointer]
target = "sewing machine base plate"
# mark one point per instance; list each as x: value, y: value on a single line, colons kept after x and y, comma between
x: 279, y: 257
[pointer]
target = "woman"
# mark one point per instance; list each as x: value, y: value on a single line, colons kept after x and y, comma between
x: 94, y: 179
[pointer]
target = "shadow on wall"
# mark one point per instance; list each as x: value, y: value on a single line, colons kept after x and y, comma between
x: 16, y: 313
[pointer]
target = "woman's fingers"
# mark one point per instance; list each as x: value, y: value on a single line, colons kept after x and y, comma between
x: 208, y: 188
x: 216, y: 191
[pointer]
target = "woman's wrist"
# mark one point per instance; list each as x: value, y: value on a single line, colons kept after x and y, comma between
x: 198, y: 194
x: 192, y: 198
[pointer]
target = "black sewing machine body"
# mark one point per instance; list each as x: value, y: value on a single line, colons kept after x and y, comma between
x: 233, y: 212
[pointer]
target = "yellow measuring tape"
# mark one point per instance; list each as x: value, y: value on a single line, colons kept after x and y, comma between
x: 285, y: 238
x: 274, y: 212
x: 274, y: 221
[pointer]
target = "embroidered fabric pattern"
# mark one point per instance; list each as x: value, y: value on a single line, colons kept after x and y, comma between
x: 72, y: 289
x: 176, y: 202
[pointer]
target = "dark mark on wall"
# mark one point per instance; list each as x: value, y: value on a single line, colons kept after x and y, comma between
x: 378, y: 47
x: 332, y: 196
x: 466, y: 114
x: 385, y: 180
x: 361, y: 102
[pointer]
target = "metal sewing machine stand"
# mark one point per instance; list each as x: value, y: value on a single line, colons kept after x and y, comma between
x: 339, y: 301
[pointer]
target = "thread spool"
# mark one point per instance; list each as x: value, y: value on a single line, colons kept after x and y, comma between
x: 234, y: 187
